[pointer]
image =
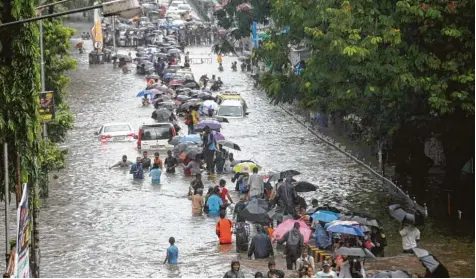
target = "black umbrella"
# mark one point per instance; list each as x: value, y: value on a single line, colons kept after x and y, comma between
x: 181, y: 147
x: 153, y: 77
x: 221, y: 119
x: 192, y: 151
x: 257, y: 211
x: 392, y: 274
x: 183, y: 91
x: 281, y: 175
x: 229, y: 144
x: 303, y: 186
x: 354, y: 252
x: 161, y: 114
x: 400, y: 215
x: 168, y: 105
x: 182, y: 98
x: 361, y: 220
x: 431, y: 263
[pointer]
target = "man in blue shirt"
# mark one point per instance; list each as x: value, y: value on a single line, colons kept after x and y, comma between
x: 155, y: 173
x: 209, y: 144
x: 136, y: 169
x: 172, y: 252
x: 214, y: 202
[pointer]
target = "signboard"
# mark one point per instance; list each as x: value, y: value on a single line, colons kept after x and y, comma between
x: 22, y: 255
x: 47, y: 106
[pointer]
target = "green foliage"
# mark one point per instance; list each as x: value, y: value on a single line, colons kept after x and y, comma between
x: 238, y: 23
x: 19, y: 88
x: 405, y: 68
x: 63, y: 122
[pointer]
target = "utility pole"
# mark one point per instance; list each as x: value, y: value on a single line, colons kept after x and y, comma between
x: 113, y: 33
x: 5, y: 165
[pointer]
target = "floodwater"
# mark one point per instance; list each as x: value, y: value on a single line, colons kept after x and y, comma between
x: 101, y: 223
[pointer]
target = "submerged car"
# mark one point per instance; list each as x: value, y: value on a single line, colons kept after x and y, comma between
x: 115, y: 132
x: 155, y: 136
x: 232, y: 109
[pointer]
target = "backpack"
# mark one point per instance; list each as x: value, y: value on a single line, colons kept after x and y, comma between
x: 242, y: 185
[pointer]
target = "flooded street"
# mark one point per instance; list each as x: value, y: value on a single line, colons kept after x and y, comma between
x: 100, y: 223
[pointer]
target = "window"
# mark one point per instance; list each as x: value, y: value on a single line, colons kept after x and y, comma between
x: 116, y: 128
x: 156, y: 132
x: 230, y: 111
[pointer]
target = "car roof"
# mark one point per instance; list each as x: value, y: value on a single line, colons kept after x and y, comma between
x: 156, y: 124
x: 116, y: 124
x: 232, y: 103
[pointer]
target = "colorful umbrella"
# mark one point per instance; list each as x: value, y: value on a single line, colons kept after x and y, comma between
x: 144, y: 93
x: 325, y: 216
x: 212, y: 124
x: 245, y: 167
x: 218, y: 135
x: 288, y: 225
x: 345, y: 229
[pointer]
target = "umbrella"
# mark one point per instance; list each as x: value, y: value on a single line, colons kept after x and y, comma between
x: 161, y: 114
x: 354, y: 252
x: 399, y: 214
x: 367, y: 221
x: 208, y: 104
x: 245, y: 167
x: 430, y: 262
x: 325, y: 216
x: 281, y: 175
x: 392, y: 274
x: 212, y: 124
x: 173, y: 50
x: 236, y: 162
x: 257, y: 210
x: 303, y: 186
x: 155, y: 91
x: 288, y: 225
x: 168, y: 105
x: 153, y: 77
x: 221, y: 119
x: 182, y: 98
x: 192, y: 152
x: 144, y: 93
x: 229, y: 144
x: 345, y: 229
x: 181, y: 147
x: 218, y: 135
x: 191, y: 138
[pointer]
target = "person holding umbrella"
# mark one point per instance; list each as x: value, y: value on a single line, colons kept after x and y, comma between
x: 260, y: 246
x: 294, y: 241
x: 209, y: 144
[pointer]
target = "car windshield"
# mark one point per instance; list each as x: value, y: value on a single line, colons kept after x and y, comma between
x: 116, y: 128
x: 156, y: 132
x: 230, y: 111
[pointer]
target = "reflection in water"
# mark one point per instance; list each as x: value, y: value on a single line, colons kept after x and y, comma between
x: 100, y: 223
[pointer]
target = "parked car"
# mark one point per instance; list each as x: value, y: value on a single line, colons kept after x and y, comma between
x: 115, y: 132
x: 155, y: 136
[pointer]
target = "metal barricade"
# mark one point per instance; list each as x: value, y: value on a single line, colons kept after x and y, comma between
x: 204, y: 60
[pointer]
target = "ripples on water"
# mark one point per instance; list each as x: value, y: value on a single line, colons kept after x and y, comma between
x: 100, y: 223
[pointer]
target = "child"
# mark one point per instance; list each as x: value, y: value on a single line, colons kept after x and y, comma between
x: 172, y: 252
x: 155, y: 172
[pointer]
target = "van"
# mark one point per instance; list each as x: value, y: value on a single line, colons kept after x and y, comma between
x: 155, y: 136
x: 232, y: 109
x: 230, y: 95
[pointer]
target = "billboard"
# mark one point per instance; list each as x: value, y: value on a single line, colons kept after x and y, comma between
x: 47, y: 106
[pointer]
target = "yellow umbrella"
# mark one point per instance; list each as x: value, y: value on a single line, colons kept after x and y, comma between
x: 246, y: 167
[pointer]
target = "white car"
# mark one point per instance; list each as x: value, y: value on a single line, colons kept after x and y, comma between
x: 116, y: 132
x: 232, y: 109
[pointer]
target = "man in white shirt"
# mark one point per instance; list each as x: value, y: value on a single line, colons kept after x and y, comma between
x: 327, y: 272
x: 305, y: 260
x: 256, y: 185
x: 410, y: 236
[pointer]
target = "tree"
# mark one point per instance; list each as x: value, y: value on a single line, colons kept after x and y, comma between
x: 404, y: 68
x: 237, y: 17
x: 19, y: 89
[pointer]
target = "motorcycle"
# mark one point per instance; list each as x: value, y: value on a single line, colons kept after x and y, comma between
x: 220, y: 67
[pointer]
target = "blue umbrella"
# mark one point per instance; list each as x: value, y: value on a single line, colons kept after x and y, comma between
x: 144, y: 93
x: 190, y: 138
x: 345, y: 229
x: 169, y: 75
x: 325, y: 216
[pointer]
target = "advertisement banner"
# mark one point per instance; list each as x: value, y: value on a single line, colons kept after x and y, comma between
x: 22, y: 255
x: 47, y: 106
x: 96, y: 33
